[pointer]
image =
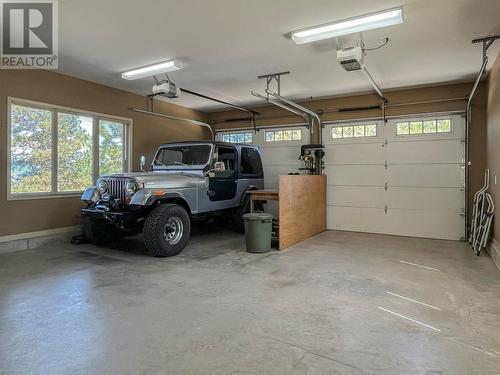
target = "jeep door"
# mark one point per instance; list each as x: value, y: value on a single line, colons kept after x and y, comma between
x: 222, y: 185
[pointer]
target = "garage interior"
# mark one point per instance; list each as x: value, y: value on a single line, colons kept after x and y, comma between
x: 376, y: 126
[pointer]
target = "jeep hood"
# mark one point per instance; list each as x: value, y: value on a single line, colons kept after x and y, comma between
x: 161, y: 178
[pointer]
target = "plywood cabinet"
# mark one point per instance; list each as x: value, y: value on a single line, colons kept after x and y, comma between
x: 301, y: 207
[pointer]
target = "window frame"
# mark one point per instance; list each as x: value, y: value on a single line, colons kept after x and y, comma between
x: 173, y: 168
x: 353, y: 125
x: 293, y: 141
x: 55, y: 110
x: 422, y: 120
x: 229, y: 134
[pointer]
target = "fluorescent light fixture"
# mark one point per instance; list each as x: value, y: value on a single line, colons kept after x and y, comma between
x: 370, y: 21
x: 151, y: 70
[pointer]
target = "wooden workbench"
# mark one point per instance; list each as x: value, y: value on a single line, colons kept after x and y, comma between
x: 301, y: 207
x: 263, y: 195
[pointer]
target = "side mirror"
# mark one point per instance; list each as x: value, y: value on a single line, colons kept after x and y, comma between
x: 142, y: 162
x: 219, y: 166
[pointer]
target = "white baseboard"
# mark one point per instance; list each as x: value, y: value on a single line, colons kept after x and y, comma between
x: 494, y: 251
x: 32, y: 240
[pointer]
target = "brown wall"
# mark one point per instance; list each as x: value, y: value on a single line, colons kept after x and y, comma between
x: 22, y: 216
x: 329, y: 107
x: 493, y: 146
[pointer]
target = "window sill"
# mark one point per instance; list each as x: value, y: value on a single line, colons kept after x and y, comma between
x: 24, y: 197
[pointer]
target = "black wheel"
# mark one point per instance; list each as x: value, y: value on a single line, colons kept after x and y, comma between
x: 166, y: 230
x: 101, y: 232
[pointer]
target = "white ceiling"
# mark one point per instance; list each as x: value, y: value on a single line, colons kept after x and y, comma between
x: 226, y: 44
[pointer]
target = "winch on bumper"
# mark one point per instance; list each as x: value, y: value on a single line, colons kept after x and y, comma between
x: 115, y: 210
x: 121, y: 219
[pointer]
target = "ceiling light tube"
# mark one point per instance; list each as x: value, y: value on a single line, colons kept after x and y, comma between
x: 151, y: 70
x: 370, y: 21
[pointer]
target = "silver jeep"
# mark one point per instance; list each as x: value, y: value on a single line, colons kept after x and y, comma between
x: 187, y: 182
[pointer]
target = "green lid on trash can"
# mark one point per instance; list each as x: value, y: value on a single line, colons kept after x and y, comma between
x: 257, y: 216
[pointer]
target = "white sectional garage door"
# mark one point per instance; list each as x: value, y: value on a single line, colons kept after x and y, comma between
x: 280, y: 152
x: 406, y: 178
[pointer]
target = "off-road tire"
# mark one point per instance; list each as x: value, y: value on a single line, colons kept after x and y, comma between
x: 155, y: 228
x: 100, y: 232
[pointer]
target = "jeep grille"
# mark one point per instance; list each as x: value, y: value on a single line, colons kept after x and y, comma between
x: 116, y: 188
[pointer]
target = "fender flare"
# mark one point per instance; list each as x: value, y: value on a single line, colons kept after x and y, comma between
x: 146, y: 198
x: 244, y: 195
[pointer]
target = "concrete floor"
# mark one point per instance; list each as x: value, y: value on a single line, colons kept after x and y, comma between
x: 322, y: 307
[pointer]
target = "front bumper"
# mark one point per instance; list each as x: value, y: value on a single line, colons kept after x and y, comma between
x: 119, y: 218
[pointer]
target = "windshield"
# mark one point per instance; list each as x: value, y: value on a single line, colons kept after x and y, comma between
x: 183, y: 156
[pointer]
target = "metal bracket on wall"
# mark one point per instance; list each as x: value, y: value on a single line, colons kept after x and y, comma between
x: 276, y: 99
x: 273, y: 77
x: 487, y: 42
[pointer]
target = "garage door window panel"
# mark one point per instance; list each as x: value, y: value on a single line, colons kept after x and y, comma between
x: 424, y: 127
x: 354, y: 131
x: 285, y: 135
x: 416, y: 127
x: 430, y: 126
x: 246, y: 137
x: 444, y: 126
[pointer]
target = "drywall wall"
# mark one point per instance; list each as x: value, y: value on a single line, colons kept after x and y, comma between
x: 440, y: 98
x: 493, y: 139
x: 31, y: 215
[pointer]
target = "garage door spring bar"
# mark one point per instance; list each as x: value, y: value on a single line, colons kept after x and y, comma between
x: 276, y: 99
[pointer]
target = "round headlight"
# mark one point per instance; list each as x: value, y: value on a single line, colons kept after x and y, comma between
x: 130, y: 187
x: 102, y: 186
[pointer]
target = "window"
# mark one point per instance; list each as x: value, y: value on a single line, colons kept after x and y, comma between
x: 183, y: 156
x: 250, y: 161
x: 74, y: 152
x: 228, y: 157
x: 422, y: 127
x: 59, y: 151
x: 354, y: 131
x: 283, y: 135
x: 246, y: 137
x: 111, y: 146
